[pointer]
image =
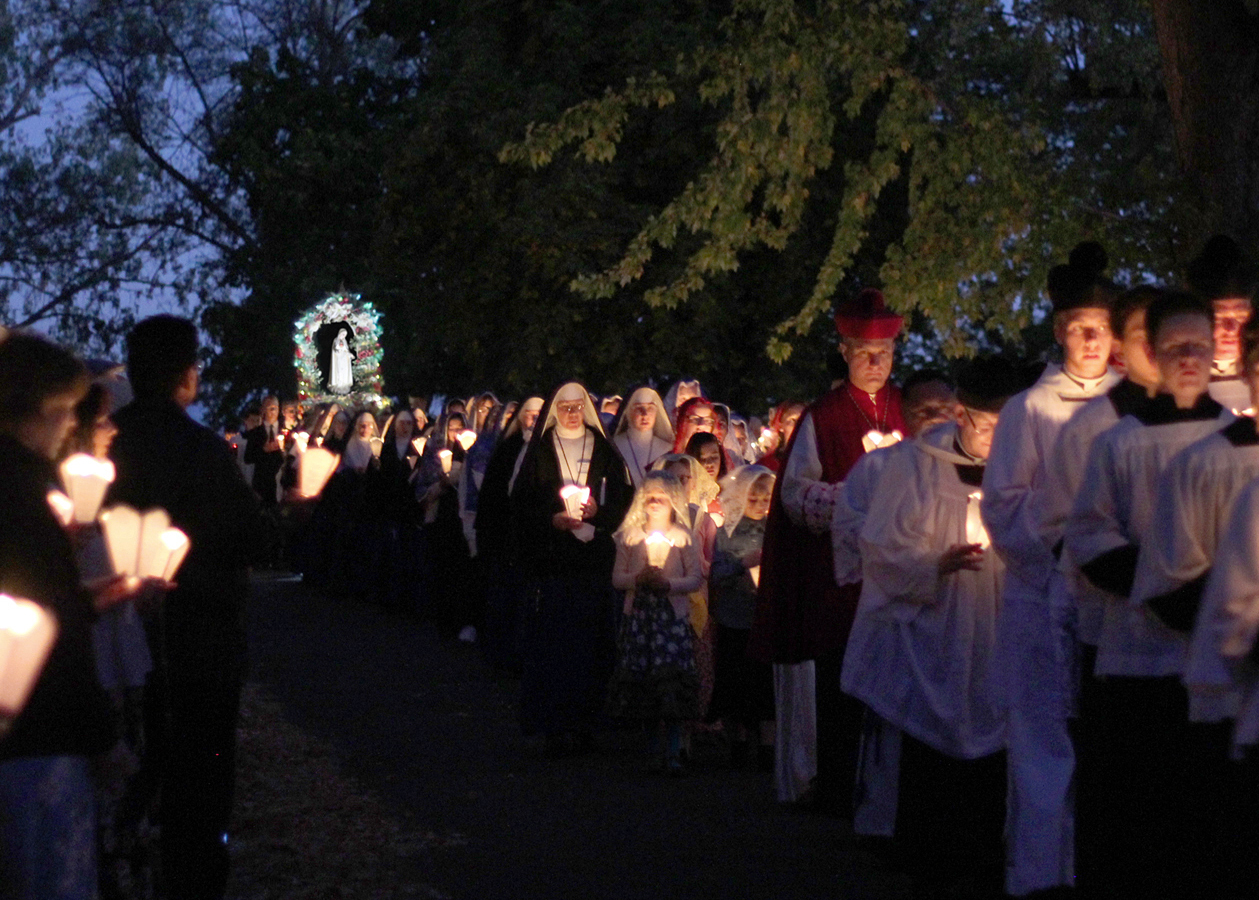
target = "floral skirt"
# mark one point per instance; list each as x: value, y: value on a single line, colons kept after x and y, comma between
x: 655, y: 674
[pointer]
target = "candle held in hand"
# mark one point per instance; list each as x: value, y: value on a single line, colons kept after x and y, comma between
x: 27, y: 632
x: 86, y: 479
x: 976, y: 533
x: 658, y: 547
x: 574, y: 498
x: 62, y: 507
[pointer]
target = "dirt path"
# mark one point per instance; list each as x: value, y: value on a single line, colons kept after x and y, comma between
x: 397, y: 730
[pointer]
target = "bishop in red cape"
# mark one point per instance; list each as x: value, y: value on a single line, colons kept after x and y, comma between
x: 801, y: 613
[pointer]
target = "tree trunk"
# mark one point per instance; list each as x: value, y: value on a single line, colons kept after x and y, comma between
x: 1210, y: 52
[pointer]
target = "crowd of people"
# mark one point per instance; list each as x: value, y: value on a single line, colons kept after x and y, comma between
x: 1004, y: 624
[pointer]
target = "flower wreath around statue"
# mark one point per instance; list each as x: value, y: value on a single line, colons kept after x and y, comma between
x: 364, y: 321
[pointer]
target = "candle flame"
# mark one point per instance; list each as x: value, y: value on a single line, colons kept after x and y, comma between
x: 659, y: 537
x: 81, y: 465
x: 18, y: 618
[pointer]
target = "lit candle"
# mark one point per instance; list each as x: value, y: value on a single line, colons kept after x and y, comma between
x: 755, y: 572
x: 176, y: 545
x: 574, y: 498
x: 86, y: 479
x: 976, y: 533
x: 377, y: 445
x: 143, y: 545
x: 314, y: 468
x: 466, y: 439
x: 447, y: 459
x: 27, y: 632
x: 302, y: 440
x: 62, y: 507
x: 658, y: 547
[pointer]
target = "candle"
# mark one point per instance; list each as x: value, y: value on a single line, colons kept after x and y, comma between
x: 27, y: 632
x: 574, y: 498
x: 755, y: 572
x: 143, y: 545
x: 377, y: 445
x: 302, y: 440
x: 419, y: 444
x: 466, y: 439
x: 176, y: 545
x: 658, y: 547
x: 62, y: 507
x: 447, y: 459
x: 976, y: 533
x: 314, y: 468
x: 86, y: 479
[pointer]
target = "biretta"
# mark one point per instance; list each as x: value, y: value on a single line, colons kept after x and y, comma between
x: 866, y: 317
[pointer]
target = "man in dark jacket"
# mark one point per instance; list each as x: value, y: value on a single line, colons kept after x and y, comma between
x: 165, y: 459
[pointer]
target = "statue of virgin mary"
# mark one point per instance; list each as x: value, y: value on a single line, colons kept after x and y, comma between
x: 341, y: 378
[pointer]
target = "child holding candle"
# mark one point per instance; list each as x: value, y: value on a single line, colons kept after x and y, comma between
x: 658, y: 567
x: 743, y: 696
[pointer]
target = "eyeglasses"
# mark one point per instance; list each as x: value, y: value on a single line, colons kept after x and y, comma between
x: 980, y: 430
x: 700, y: 420
x: 569, y: 409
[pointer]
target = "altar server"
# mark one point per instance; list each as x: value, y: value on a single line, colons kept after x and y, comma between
x: 921, y: 647
x: 1075, y: 606
x: 928, y: 400
x: 1222, y: 274
x: 1196, y: 494
x: 1041, y: 760
x: 1223, y: 660
x: 802, y: 615
x: 1113, y: 517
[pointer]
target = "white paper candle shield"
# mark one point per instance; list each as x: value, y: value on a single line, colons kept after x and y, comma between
x: 301, y: 441
x: 62, y: 507
x: 314, y: 468
x: 376, y: 444
x: 419, y: 444
x: 976, y: 533
x: 574, y: 498
x: 143, y: 545
x: 446, y: 458
x: 27, y: 632
x: 466, y: 439
x: 658, y: 547
x: 86, y: 479
x: 874, y: 439
x: 755, y: 572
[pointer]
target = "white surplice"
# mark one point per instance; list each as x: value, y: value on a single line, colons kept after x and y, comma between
x: 1196, y: 494
x: 1115, y: 508
x: 851, y: 506
x: 920, y: 649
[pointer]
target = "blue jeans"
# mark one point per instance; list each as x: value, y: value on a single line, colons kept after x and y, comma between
x: 47, y: 829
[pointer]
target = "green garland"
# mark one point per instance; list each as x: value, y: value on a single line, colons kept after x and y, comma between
x: 365, y: 320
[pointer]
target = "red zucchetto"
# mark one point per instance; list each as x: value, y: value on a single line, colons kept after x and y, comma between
x: 866, y: 317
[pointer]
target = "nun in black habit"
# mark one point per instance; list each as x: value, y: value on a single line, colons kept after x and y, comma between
x: 569, y: 634
x: 495, y: 546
